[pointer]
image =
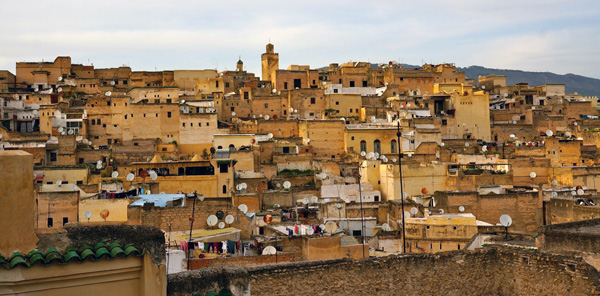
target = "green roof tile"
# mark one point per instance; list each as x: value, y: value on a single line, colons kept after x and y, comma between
x: 132, y: 250
x: 37, y: 257
x: 114, y: 245
x: 71, y: 255
x: 53, y: 257
x: 99, y: 245
x: 83, y: 248
x: 51, y: 250
x: 116, y: 251
x: 102, y: 252
x: 34, y: 252
x: 17, y: 260
x: 87, y: 253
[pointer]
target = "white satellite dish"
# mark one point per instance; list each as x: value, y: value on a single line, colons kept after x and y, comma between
x: 244, y: 185
x: 130, y: 177
x: 441, y: 211
x: 442, y: 144
x: 484, y: 148
x: 386, y: 227
x: 238, y: 187
x: 274, y: 91
x: 437, y: 155
x: 59, y: 89
x: 580, y: 192
x: 483, y: 87
x: 514, y: 122
x: 232, y: 113
x: 98, y: 165
x: 260, y: 115
x: 414, y: 210
x: 554, y: 194
x: 112, y: 83
x: 253, y: 116
x: 406, y: 214
x: 108, y: 93
x: 70, y: 131
x: 270, y: 135
x: 467, y: 144
x: 291, y: 109
x: 362, y: 153
x: 287, y: 184
x: 343, y: 224
x: 307, y: 140
x: 393, y: 160
x: 370, y: 155
x: 532, y: 175
x: 60, y: 78
x: 305, y: 201
x: 567, y: 134
x: 574, y: 192
x: 243, y: 208
x: 221, y: 225
x: 114, y: 174
x: 229, y: 219
x: 461, y: 209
x: 314, y: 199
x: 575, y: 123
x: 88, y: 214
x: 512, y: 136
x: 407, y: 105
x: 0, y: 136
x: 60, y: 129
x: 554, y: 182
x: 505, y: 95
x: 73, y: 187
x: 505, y: 220
x: 343, y: 119
x: 376, y: 155
x: 338, y: 205
x: 59, y: 182
x: 373, y: 118
x: 182, y: 101
x: 310, y: 231
x: 267, y: 117
x: 270, y: 250
x: 212, y: 220
x: 153, y: 176
x: 549, y: 133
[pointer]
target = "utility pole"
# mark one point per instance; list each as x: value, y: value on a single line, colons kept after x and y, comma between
x: 398, y: 134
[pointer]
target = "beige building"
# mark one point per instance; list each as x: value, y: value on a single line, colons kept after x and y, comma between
x: 439, y: 233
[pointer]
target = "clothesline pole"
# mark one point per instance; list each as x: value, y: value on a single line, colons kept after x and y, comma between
x: 191, y: 227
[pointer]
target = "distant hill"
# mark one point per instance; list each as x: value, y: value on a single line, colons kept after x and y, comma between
x: 574, y: 83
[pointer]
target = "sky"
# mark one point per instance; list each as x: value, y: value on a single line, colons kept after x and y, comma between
x: 532, y: 35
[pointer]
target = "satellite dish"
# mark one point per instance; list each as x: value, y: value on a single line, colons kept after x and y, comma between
x: 567, y: 134
x: 483, y: 87
x: 549, y: 133
x: 60, y: 78
x: 386, y: 227
x: 305, y: 201
x: 277, y: 206
x: 153, y: 176
x: 406, y: 214
x: 441, y: 211
x: 437, y: 155
x: 291, y: 109
x: 260, y: 115
x: 580, y: 192
x: 575, y: 123
x: 331, y: 227
x: 467, y: 144
x: 394, y: 160
x: 343, y: 119
x: 274, y: 90
x: 573, y: 192
x: 505, y: 95
x: 108, y: 93
x: 287, y: 184
x: 70, y: 131
x: 98, y: 165
x: 338, y: 205
x: 59, y: 89
x: 442, y: 144
x: 532, y: 175
x: 307, y: 140
x: 484, y: 148
x: 212, y: 220
x: 554, y: 194
x: 310, y: 231
x: 514, y: 122
x: 243, y: 208
x: 244, y: 185
x: 60, y: 129
x: 370, y: 155
x: 221, y: 225
x: 461, y: 209
x: 232, y: 113
x: 554, y: 182
x: 267, y: 117
x: 253, y: 116
x: 114, y: 174
x: 59, y: 182
x: 270, y: 135
x: 88, y: 214
x: 182, y: 101
x: 505, y: 220
x: 112, y: 83
x: 373, y: 118
x: 314, y: 199
x: 130, y: 177
x: 74, y: 187
x: 220, y: 214
x: 407, y: 105
x: 512, y: 136
x: 362, y: 153
x: 414, y: 210
x: 238, y: 187
x: 270, y: 250
x: 376, y: 155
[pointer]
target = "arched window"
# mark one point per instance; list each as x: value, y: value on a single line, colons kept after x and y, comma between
x: 363, y: 146
x: 220, y: 147
x: 394, y: 146
x: 224, y: 189
x: 231, y: 147
x: 377, y: 146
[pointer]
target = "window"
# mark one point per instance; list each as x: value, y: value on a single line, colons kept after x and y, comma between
x: 313, y: 100
x: 232, y: 109
x: 80, y: 161
x: 52, y: 156
x: 266, y: 105
x: 335, y: 90
x: 226, y: 84
x: 246, y: 95
x: 351, y: 83
x: 377, y: 146
x: 125, y: 116
x: 217, y: 83
x: 285, y: 85
x: 183, y: 124
x: 223, y: 168
x: 169, y: 114
x: 394, y: 146
x: 93, y: 121
x: 337, y: 103
x: 224, y: 189
x: 168, y: 101
x: 297, y: 83
x: 363, y: 146
x: 50, y: 222
x: 364, y: 83
x: 65, y: 220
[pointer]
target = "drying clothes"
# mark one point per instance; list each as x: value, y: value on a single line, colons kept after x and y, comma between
x: 206, y: 247
x: 201, y: 245
x: 230, y: 247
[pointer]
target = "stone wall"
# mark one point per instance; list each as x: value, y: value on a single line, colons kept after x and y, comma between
x: 552, y: 238
x: 491, y: 271
x: 243, y: 261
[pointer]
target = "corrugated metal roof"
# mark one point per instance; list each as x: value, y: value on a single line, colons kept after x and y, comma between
x: 159, y: 200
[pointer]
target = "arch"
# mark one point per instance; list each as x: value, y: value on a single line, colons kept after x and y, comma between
x: 363, y: 146
x: 377, y: 146
x: 394, y: 146
x: 224, y: 189
x: 220, y: 147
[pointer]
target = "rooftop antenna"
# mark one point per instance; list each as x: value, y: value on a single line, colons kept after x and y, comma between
x: 506, y: 221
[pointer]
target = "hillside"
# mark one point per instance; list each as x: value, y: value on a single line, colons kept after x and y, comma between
x: 574, y: 83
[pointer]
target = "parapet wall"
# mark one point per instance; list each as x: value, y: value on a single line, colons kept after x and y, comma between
x: 553, y: 238
x: 490, y: 271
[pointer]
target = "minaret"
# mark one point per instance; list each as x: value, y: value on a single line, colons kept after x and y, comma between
x: 240, y: 65
x: 270, y: 64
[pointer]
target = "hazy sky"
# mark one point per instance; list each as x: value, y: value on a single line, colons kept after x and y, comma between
x: 549, y: 35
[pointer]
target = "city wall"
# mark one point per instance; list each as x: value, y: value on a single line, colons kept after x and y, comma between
x: 492, y: 271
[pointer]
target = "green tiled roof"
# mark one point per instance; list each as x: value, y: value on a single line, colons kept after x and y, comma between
x: 71, y: 254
